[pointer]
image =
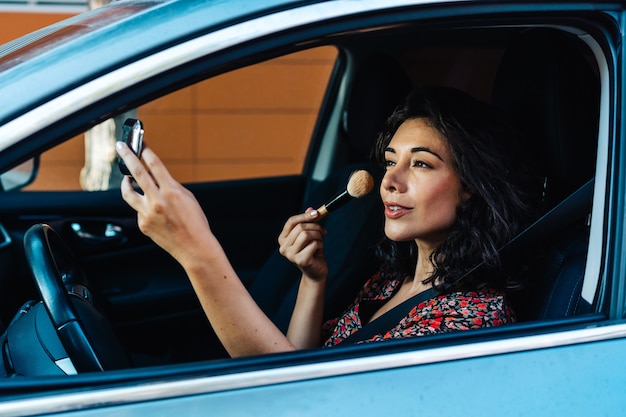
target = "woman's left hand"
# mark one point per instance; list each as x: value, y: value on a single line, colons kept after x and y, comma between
x: 302, y: 243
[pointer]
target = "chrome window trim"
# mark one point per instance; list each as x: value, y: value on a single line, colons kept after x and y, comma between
x: 595, y: 250
x: 117, y: 80
x: 152, y: 391
x: 330, y: 140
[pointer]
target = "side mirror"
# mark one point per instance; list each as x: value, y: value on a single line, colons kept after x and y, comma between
x: 20, y: 176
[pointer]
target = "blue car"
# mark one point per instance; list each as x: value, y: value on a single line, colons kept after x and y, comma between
x: 268, y: 106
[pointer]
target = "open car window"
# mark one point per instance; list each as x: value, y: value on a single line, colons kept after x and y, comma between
x: 260, y: 121
x: 252, y: 122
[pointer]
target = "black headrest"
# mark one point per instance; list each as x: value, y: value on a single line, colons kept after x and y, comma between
x: 379, y: 86
x: 551, y: 92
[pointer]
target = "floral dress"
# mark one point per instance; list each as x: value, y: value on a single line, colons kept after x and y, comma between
x: 443, y: 313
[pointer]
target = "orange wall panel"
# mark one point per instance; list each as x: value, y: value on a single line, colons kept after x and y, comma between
x: 170, y: 135
x: 179, y: 101
x: 244, y: 136
x: 16, y: 24
x: 285, y: 86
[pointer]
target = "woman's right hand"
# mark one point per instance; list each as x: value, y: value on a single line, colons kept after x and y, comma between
x: 301, y: 242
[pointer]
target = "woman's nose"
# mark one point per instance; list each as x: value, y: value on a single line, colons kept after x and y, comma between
x: 394, y: 179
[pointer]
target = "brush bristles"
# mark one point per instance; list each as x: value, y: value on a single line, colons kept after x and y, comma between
x: 360, y: 183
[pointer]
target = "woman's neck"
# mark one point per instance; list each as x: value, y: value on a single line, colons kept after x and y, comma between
x: 416, y: 284
x: 423, y: 270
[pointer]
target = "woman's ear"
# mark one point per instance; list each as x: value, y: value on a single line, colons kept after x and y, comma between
x: 465, y: 195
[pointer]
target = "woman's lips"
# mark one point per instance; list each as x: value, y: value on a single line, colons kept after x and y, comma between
x: 394, y: 210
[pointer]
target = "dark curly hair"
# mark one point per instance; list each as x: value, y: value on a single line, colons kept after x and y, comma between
x: 504, y: 195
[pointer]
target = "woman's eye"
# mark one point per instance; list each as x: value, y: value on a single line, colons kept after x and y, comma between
x: 420, y: 164
x: 389, y: 163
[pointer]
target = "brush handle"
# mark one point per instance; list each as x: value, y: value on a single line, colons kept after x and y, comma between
x: 334, y: 203
x: 321, y: 213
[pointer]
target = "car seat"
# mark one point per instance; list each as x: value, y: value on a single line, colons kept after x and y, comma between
x: 379, y: 85
x: 551, y: 92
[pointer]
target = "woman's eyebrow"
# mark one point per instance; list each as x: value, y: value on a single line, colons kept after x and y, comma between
x: 417, y: 149
x: 426, y: 149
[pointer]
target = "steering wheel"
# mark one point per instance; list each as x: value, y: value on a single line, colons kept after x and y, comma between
x: 86, y: 335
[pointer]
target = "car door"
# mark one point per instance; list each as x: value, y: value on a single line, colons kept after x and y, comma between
x: 570, y: 365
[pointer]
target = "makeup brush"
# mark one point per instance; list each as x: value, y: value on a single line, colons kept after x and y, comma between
x: 359, y: 184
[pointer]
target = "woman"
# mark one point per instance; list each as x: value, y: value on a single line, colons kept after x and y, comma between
x: 456, y: 189
x: 452, y: 197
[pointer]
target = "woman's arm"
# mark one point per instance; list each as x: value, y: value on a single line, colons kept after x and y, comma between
x: 305, y: 326
x: 301, y: 242
x: 170, y: 215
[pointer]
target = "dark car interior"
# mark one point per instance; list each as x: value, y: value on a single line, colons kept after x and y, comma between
x: 141, y: 310
x: 540, y: 82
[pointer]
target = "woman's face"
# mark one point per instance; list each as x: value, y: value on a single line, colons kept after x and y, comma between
x: 420, y: 190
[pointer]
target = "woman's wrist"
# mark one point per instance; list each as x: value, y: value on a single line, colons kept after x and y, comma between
x: 200, y: 256
x: 313, y: 284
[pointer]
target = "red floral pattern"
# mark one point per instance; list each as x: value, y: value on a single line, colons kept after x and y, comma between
x: 444, y: 313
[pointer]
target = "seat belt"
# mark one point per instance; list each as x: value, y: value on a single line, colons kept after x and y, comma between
x: 389, y: 319
x: 564, y: 213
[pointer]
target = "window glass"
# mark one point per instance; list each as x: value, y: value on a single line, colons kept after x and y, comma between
x: 253, y: 122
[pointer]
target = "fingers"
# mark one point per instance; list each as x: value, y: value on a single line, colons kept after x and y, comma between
x: 129, y: 194
x: 301, y: 238
x: 159, y: 173
x: 309, y: 216
x: 299, y: 223
x: 149, y: 177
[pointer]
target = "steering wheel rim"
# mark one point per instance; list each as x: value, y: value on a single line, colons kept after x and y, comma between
x: 86, y: 335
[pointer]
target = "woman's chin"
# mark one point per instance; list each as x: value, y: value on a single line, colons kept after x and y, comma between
x: 398, y: 235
